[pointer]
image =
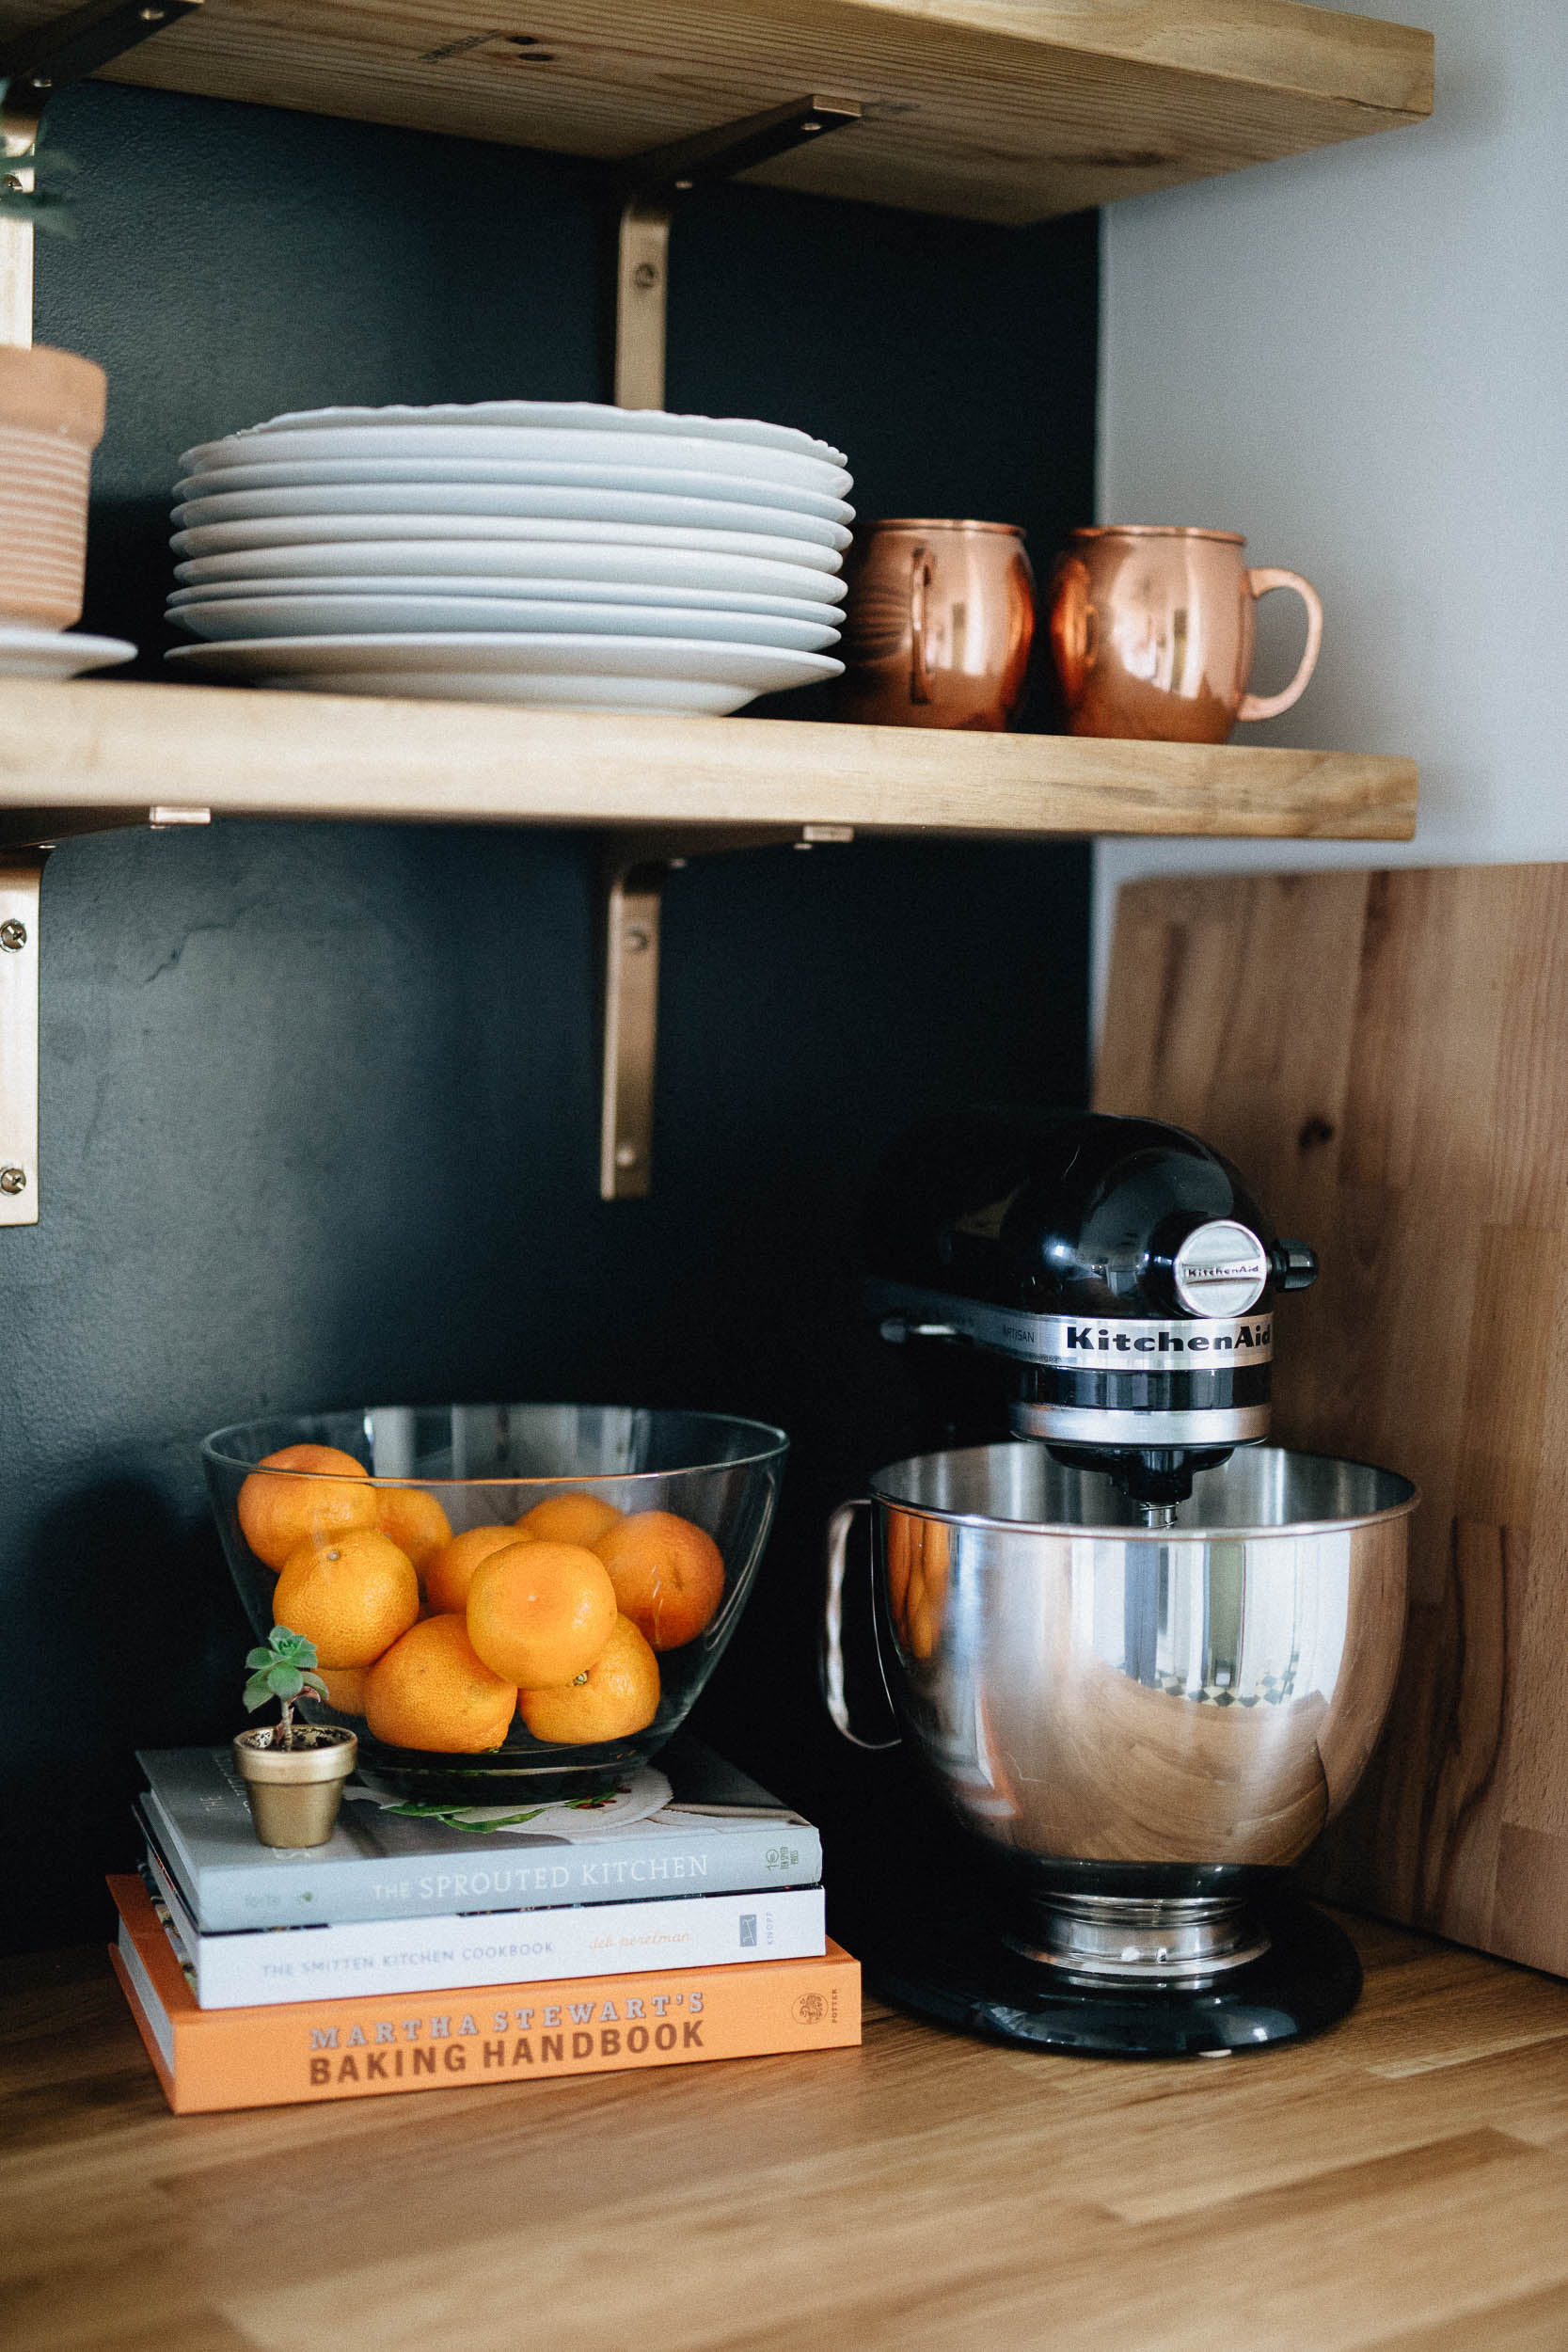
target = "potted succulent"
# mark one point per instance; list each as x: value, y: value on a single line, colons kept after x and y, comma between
x: 293, y: 1773
x: 52, y: 408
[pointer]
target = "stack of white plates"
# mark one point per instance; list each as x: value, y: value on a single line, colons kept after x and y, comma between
x: 533, y: 551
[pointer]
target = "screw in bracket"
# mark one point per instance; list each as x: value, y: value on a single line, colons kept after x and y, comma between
x: 13, y: 935
x: 644, y: 275
x: 13, y: 1180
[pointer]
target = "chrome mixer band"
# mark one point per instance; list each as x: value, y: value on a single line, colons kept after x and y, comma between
x: 1077, y: 1342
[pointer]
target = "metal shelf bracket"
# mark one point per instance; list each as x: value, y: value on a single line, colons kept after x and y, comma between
x: 64, y: 49
x: 637, y: 865
x: 20, y: 870
x: 651, y: 182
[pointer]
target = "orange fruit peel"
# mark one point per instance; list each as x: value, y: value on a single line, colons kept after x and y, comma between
x: 448, y: 1572
x: 573, y: 1516
x: 352, y: 1596
x: 300, y: 1495
x: 431, y: 1692
x: 539, y: 1613
x: 667, y: 1575
x: 618, y: 1694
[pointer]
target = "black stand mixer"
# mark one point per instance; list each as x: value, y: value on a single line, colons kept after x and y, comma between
x: 1142, y: 1655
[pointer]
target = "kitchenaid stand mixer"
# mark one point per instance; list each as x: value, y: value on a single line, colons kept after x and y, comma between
x: 1144, y: 1656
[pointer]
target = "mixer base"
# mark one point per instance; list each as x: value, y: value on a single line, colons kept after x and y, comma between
x: 969, y: 1976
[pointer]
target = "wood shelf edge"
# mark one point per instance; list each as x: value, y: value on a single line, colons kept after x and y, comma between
x: 114, y: 748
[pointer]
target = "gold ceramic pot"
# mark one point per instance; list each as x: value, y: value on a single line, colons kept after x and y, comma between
x: 939, y: 622
x: 294, y: 1792
x: 1153, y: 629
x: 52, y: 405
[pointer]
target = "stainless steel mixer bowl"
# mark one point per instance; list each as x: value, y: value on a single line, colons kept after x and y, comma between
x: 1087, y: 1689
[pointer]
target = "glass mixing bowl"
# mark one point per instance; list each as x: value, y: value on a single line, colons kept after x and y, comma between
x: 489, y: 1464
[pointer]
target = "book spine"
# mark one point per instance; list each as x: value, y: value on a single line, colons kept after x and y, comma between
x: 396, y: 1956
x: 633, y: 1870
x: 346, y: 2050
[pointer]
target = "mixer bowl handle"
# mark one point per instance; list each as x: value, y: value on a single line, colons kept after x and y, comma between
x: 832, y: 1631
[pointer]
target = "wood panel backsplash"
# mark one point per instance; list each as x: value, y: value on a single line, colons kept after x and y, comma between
x: 1386, y: 1057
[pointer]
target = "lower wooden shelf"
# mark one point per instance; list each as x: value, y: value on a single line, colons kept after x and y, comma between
x: 92, y: 753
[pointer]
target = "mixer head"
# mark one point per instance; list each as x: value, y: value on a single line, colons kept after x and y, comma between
x: 1116, y: 1271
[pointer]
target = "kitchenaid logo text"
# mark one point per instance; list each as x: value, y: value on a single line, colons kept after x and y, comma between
x: 1092, y: 1339
x: 556, y: 2033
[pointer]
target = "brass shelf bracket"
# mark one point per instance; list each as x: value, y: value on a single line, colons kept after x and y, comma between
x: 19, y: 873
x: 652, y: 182
x: 39, y: 62
x: 637, y: 865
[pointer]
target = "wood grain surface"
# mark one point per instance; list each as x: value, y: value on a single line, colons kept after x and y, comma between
x: 1399, y: 2186
x: 1386, y: 1057
x: 99, y: 745
x: 1004, y: 110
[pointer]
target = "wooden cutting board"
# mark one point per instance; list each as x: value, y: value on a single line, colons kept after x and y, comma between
x: 1385, y: 1057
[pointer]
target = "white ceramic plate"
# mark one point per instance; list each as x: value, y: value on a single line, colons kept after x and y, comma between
x: 521, y: 592
x: 402, y: 616
x: 498, y: 545
x: 590, y: 415
x: 283, y: 473
x: 559, y: 673
x: 650, y: 452
x: 57, y: 653
x: 625, y: 508
x: 533, y: 560
x: 210, y: 498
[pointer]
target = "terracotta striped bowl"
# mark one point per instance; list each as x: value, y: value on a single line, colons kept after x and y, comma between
x: 52, y: 408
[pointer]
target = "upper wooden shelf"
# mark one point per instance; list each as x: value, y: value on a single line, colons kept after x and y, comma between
x: 1000, y: 110
x: 94, y: 753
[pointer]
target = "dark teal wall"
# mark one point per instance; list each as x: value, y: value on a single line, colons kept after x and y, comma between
x: 319, y: 1103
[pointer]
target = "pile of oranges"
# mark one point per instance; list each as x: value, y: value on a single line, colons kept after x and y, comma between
x: 439, y: 1639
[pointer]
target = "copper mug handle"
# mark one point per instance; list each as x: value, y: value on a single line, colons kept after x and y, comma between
x: 920, y: 582
x: 1257, y: 583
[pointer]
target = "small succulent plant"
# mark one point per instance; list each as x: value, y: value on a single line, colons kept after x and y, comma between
x: 282, y: 1671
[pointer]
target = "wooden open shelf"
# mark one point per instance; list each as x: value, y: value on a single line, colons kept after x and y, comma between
x: 1000, y: 110
x: 97, y: 752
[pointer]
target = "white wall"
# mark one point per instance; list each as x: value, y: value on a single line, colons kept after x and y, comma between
x: 1360, y: 358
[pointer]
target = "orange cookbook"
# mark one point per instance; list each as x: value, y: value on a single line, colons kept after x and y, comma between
x: 209, y: 2059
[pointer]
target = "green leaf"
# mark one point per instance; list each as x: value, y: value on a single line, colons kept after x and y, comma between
x: 287, y: 1681
x: 258, y: 1658
x: 314, y: 1682
x: 258, y: 1690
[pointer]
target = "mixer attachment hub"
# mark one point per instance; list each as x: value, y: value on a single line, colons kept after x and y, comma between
x: 1184, y: 1940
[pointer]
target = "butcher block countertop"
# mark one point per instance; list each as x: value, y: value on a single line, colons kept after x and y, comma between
x: 1399, y: 2185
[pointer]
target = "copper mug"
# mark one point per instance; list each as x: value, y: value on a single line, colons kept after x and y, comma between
x: 938, y: 625
x: 1153, y: 631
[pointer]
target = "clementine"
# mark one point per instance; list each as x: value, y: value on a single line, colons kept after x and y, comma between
x: 614, y: 1698
x: 572, y: 1517
x: 414, y: 1521
x: 447, y: 1573
x: 303, y: 1492
x: 352, y: 1596
x: 431, y: 1690
x: 345, y: 1688
x: 539, y: 1613
x: 669, y: 1575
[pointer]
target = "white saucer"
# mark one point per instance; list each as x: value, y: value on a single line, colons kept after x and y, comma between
x: 817, y: 610
x: 580, y: 415
x: 756, y: 566
x: 627, y: 509
x: 57, y: 653
x: 333, y: 616
x: 213, y: 498
x: 567, y: 672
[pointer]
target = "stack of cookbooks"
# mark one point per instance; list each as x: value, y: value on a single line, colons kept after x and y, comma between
x: 672, y: 1913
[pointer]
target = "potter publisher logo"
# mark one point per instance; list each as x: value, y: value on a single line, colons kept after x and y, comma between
x: 811, y: 2008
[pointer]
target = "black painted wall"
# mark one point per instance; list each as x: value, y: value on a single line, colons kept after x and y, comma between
x: 319, y: 1103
